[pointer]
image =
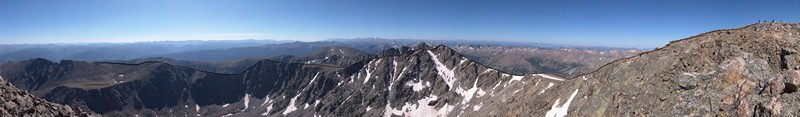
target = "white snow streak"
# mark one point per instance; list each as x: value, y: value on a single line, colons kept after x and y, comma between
x: 487, y: 70
x: 550, y: 77
x: 445, y: 72
x: 545, y: 89
x: 369, y: 74
x: 560, y: 110
x: 391, y: 82
x: 469, y: 93
x: 312, y: 80
x: 401, y: 73
x: 266, y: 100
x: 246, y: 101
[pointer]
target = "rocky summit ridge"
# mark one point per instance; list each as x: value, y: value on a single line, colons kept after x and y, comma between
x: 746, y: 71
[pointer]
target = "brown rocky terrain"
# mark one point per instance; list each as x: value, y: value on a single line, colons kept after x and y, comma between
x: 747, y: 71
x: 17, y: 102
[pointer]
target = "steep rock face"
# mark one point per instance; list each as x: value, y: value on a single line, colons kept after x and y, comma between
x: 17, y: 102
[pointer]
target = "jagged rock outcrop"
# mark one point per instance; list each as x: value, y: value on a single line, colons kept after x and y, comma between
x: 17, y: 102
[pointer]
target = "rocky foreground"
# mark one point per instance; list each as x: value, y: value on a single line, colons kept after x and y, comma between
x: 17, y: 102
x: 747, y: 71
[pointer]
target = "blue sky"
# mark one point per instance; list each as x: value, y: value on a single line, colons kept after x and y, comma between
x: 633, y: 23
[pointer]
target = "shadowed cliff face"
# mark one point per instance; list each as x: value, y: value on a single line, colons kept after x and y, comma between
x: 745, y: 71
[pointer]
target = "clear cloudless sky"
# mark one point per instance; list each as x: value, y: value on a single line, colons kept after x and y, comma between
x: 613, y: 23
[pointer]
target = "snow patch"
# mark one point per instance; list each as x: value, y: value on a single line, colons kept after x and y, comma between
x: 268, y: 110
x: 226, y: 105
x: 418, y: 86
x: 352, y: 79
x: 421, y: 109
x: 477, y: 107
x: 388, y: 111
x: 560, y: 110
x: 516, y: 78
x: 513, y: 78
x: 291, y: 107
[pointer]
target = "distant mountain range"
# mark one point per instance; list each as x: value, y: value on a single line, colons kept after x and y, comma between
x: 116, y: 51
x: 748, y: 71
